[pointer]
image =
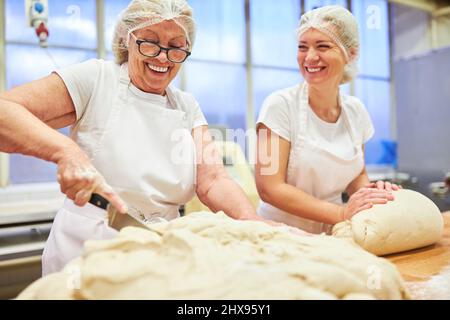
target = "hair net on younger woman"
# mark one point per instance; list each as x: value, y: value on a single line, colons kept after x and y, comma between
x: 143, y: 13
x: 341, y: 26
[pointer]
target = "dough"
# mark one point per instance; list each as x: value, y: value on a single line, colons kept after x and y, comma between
x: 409, y: 222
x: 211, y: 256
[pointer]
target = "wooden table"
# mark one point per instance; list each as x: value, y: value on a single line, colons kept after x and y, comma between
x: 426, y: 271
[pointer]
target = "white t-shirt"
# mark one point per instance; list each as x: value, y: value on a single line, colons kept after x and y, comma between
x: 280, y: 114
x: 331, y: 136
x: 93, y: 85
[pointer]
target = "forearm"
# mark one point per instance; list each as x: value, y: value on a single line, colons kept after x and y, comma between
x: 297, y: 202
x: 22, y: 132
x: 226, y: 195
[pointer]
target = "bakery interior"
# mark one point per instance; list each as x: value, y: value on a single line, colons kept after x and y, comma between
x: 403, y: 80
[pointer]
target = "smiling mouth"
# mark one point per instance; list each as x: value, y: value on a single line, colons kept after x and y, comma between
x: 314, y: 69
x: 157, y: 69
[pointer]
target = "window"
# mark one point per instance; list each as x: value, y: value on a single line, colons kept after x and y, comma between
x: 72, y: 26
x: 274, y: 47
x: 25, y: 63
x: 373, y: 83
x: 220, y: 30
x: 373, y: 22
x: 221, y: 91
x: 71, y: 23
x: 313, y: 4
x: 215, y: 73
x: 113, y: 8
x: 274, y: 41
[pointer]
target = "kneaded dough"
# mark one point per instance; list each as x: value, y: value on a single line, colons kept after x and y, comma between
x: 211, y: 256
x: 409, y: 222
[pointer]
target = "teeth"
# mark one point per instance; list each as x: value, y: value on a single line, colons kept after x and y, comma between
x: 158, y: 69
x: 312, y: 70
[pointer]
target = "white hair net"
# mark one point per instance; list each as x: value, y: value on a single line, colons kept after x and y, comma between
x: 143, y: 13
x: 341, y: 26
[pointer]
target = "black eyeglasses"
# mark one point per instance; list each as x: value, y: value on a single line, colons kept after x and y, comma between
x: 151, y: 49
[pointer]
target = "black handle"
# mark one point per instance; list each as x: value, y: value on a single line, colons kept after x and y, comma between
x: 98, y: 201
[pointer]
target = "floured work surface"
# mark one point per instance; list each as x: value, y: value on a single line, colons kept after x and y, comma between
x: 426, y: 271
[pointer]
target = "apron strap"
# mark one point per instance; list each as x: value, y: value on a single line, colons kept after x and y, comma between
x: 350, y: 125
x: 172, y: 100
x: 303, y: 116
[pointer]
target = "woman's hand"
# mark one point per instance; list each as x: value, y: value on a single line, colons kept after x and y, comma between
x: 79, y: 180
x: 385, y: 185
x: 364, y: 199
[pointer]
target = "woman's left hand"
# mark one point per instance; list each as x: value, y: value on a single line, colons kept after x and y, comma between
x: 385, y: 185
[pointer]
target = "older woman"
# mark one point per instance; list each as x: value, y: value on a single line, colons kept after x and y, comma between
x: 313, y: 136
x: 134, y: 140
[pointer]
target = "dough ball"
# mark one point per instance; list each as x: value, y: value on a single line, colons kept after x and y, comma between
x: 409, y: 222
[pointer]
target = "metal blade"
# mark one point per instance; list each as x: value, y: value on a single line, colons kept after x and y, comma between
x: 117, y: 220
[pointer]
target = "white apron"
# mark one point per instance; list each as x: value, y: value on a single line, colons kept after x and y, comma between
x: 135, y: 154
x: 315, y: 170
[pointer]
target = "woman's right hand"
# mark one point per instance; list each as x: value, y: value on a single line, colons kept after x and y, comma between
x: 364, y: 199
x: 79, y: 179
